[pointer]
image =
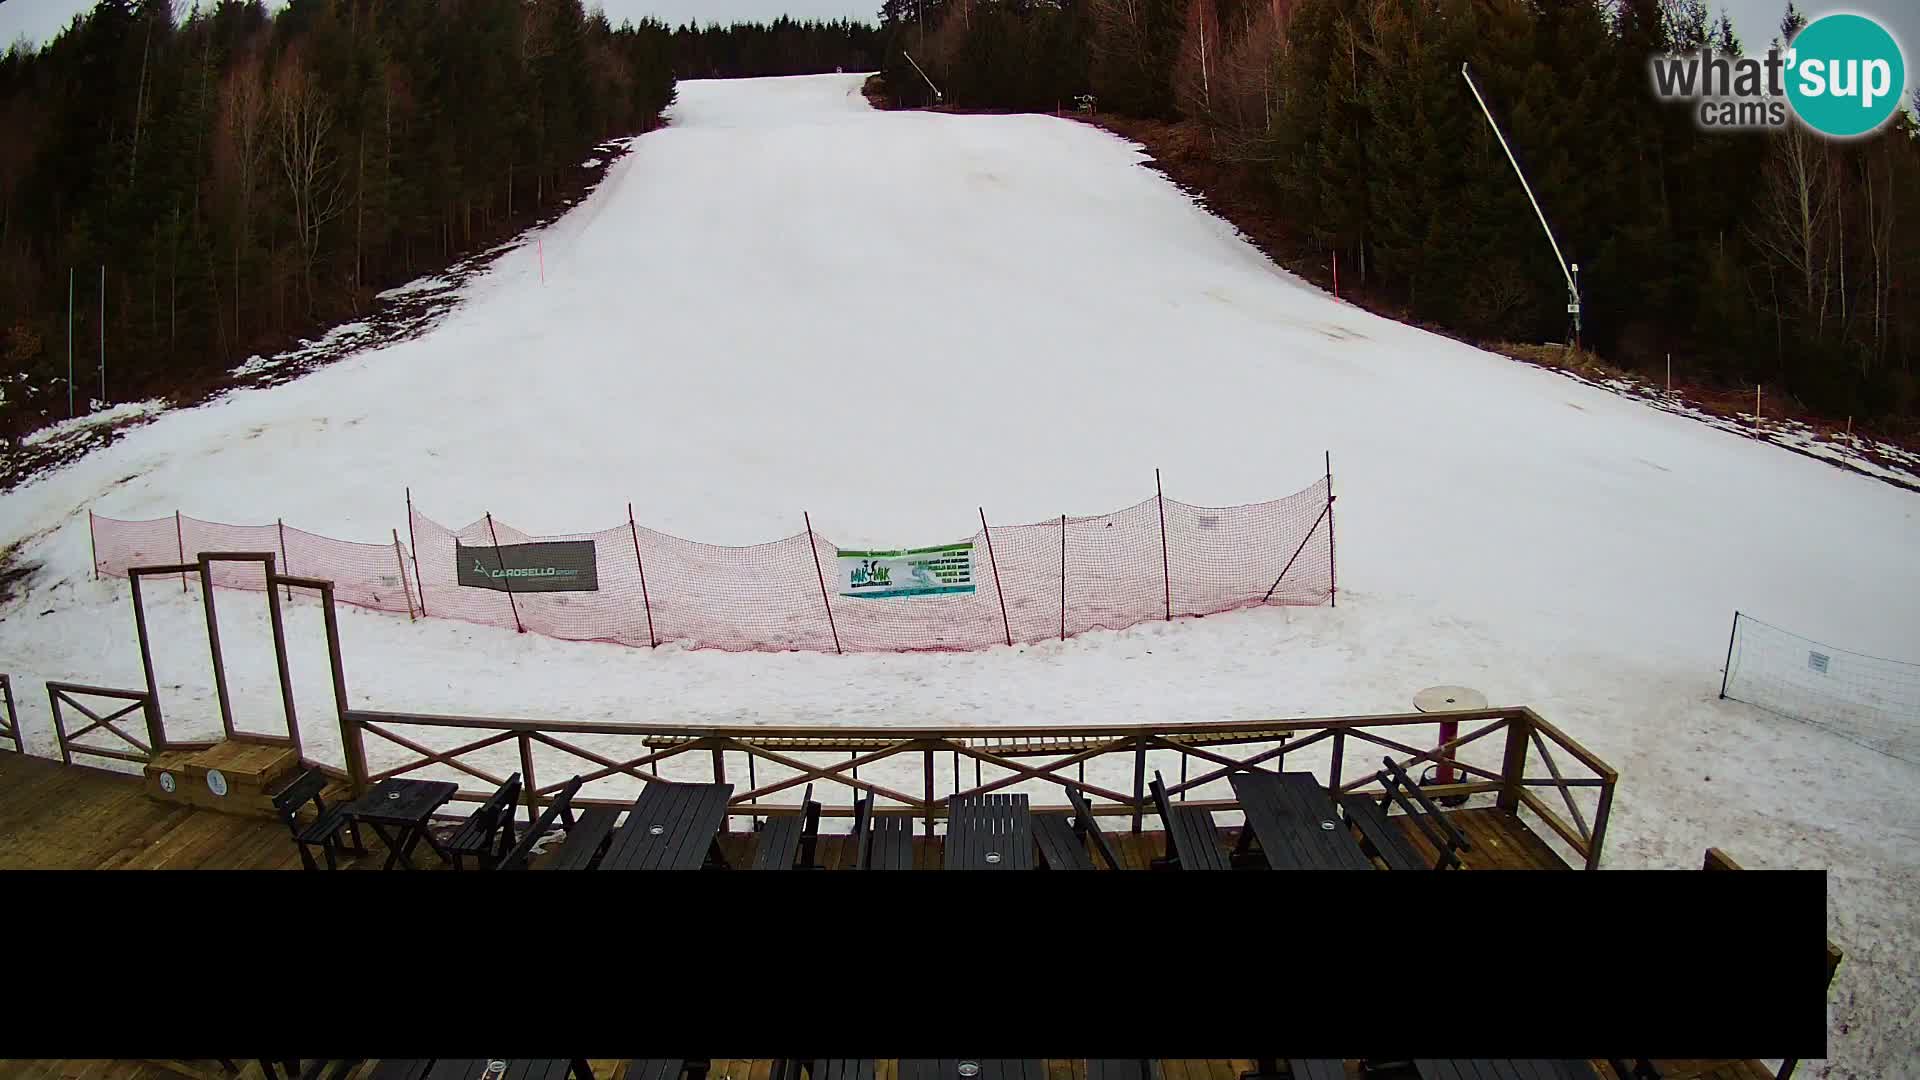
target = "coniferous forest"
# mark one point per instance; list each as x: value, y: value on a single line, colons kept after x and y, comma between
x: 1772, y: 257
x: 247, y: 177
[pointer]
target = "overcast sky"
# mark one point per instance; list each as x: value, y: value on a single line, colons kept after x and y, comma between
x: 1756, y: 21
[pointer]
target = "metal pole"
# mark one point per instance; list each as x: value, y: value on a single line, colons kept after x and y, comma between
x: 401, y: 563
x: 1166, y: 578
x: 1573, y: 287
x: 916, y: 66
x: 93, y: 546
x: 995, y: 564
x: 1333, y: 589
x: 504, y: 579
x: 1063, y: 577
x: 411, y: 539
x: 103, y: 333
x: 652, y: 641
x: 286, y: 564
x: 179, y: 539
x: 824, y: 602
x: 1727, y: 671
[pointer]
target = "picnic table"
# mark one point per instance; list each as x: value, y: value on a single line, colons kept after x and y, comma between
x: 671, y: 827
x: 1293, y: 820
x: 989, y: 832
x: 973, y: 1069
x: 405, y: 805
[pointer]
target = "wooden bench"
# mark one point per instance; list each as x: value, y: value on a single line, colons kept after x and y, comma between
x: 665, y: 1069
x: 1297, y: 1069
x: 1193, y: 843
x: 557, y: 812
x: 822, y: 1069
x: 1062, y: 837
x: 1392, y: 845
x: 1118, y: 1069
x: 487, y: 834
x: 881, y: 843
x: 788, y: 842
x: 327, y: 826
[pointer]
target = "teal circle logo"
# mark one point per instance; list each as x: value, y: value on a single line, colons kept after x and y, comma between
x: 1845, y: 75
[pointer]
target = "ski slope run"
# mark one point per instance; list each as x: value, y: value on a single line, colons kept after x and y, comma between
x: 787, y: 301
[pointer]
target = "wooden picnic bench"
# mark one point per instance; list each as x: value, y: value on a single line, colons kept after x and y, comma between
x: 1119, y: 1069
x: 1062, y: 838
x: 326, y: 828
x: 1297, y: 1069
x: 1294, y: 823
x: 989, y: 832
x: 973, y: 1069
x: 1502, y: 1069
x: 487, y: 834
x: 1391, y: 845
x: 479, y: 1069
x: 822, y: 1069
x: 789, y: 842
x: 881, y: 842
x: 665, y: 1068
x: 1192, y: 841
x: 671, y: 827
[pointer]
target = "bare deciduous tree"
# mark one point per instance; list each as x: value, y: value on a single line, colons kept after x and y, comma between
x: 303, y: 124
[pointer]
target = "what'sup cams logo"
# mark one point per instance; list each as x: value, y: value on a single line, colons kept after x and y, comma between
x: 1842, y: 75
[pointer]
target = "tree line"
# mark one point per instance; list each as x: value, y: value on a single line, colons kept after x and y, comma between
x: 1774, y: 257
x: 248, y: 177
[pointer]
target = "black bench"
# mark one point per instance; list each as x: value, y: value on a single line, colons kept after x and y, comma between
x: 983, y: 1069
x: 558, y: 813
x: 1192, y: 841
x: 1117, y: 1069
x: 1393, y: 846
x: 1478, y: 1068
x: 487, y: 834
x: 788, y: 842
x: 327, y: 826
x: 1062, y: 837
x: 822, y: 1069
x: 881, y: 843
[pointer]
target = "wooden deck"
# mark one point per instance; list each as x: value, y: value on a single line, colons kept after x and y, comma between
x: 59, y: 817
x: 736, y: 1069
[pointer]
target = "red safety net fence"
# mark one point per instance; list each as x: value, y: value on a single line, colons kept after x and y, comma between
x: 1157, y: 559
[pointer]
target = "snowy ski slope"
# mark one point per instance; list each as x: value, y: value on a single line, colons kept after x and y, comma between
x: 788, y: 301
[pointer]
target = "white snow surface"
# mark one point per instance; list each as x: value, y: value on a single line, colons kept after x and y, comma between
x: 786, y: 300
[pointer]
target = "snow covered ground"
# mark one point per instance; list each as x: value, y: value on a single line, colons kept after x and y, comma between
x: 788, y: 301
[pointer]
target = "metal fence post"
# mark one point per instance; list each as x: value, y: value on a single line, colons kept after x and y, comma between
x: 1333, y: 589
x: 1063, y: 577
x: 995, y: 565
x: 1166, y: 578
x: 824, y: 602
x: 653, y: 641
x: 93, y: 546
x: 286, y: 564
x: 504, y: 579
x: 180, y: 540
x: 1727, y: 671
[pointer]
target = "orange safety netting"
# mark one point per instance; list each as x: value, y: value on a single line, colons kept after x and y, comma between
x: 1153, y: 560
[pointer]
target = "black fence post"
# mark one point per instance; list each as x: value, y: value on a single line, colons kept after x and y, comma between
x: 1333, y: 588
x: 1063, y: 577
x: 415, y: 542
x: 653, y: 642
x: 824, y: 602
x: 995, y: 564
x: 505, y: 580
x: 1727, y: 671
x: 1166, y: 577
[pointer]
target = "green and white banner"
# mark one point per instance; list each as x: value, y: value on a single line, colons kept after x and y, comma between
x: 928, y: 571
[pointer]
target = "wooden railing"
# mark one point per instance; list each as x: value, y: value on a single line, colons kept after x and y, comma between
x: 10, y: 725
x: 1002, y: 758
x: 64, y: 694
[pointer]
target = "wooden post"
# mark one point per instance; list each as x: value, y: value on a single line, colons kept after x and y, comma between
x: 278, y: 622
x: 1339, y: 752
x: 527, y: 784
x: 824, y: 602
x: 286, y: 564
x: 1598, y: 835
x: 653, y: 642
x: 156, y: 731
x: 1513, y: 767
x: 1140, y: 785
x: 504, y: 579
x: 1166, y: 578
x: 1333, y: 588
x: 400, y: 563
x: 995, y: 565
x: 179, y: 539
x: 213, y: 645
x: 928, y: 763
x: 1063, y: 577
x: 415, y: 542
x: 352, y: 740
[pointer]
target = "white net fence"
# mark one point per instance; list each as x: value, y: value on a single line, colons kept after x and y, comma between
x: 1867, y: 699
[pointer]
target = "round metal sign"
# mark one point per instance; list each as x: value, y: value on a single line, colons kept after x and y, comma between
x: 167, y: 783
x: 217, y: 782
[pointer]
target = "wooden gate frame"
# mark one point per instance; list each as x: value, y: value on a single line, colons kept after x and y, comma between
x: 10, y: 726
x: 275, y: 581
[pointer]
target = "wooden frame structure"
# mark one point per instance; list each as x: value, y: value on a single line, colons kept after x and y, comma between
x: 835, y: 755
x: 10, y: 724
